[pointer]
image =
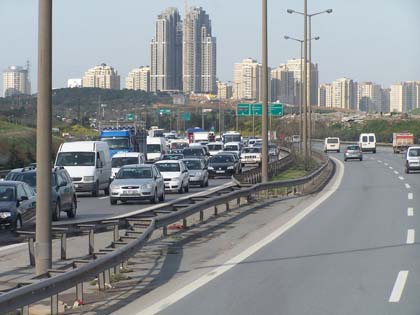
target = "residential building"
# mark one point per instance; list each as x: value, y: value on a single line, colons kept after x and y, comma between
x: 16, y: 81
x: 283, y: 85
x: 224, y: 91
x: 199, y: 53
x: 166, y: 52
x: 344, y: 94
x: 396, y: 98
x: 247, y: 83
x: 103, y: 77
x: 369, y: 97
x: 325, y: 95
x: 138, y: 79
x: 74, y: 83
x: 385, y: 106
x: 294, y: 65
x: 404, y: 96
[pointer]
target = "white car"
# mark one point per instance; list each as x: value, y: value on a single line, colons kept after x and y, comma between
x: 126, y: 158
x: 215, y: 147
x: 367, y: 141
x: 332, y: 144
x: 251, y: 156
x: 175, y: 174
x: 233, y: 147
x: 412, y: 159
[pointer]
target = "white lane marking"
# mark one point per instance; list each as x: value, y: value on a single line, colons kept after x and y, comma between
x: 386, y: 164
x: 396, y: 173
x: 407, y: 186
x: 390, y: 168
x: 410, y: 212
x: 4, y: 248
x: 398, y: 288
x: 216, y: 272
x: 101, y: 198
x: 411, y: 235
x: 402, y: 178
x: 410, y: 196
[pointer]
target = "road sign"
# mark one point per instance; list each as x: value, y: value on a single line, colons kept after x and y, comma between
x: 256, y: 109
x: 130, y: 117
x: 164, y: 111
x: 185, y: 116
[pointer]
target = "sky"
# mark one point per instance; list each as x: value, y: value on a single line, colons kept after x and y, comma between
x: 366, y: 40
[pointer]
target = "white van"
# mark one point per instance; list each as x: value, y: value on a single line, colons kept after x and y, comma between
x: 125, y: 158
x: 156, y: 147
x: 332, y: 144
x: 367, y: 142
x: 88, y: 163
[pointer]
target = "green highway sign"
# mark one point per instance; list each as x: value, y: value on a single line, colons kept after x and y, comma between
x: 185, y: 116
x: 130, y: 117
x: 256, y: 109
x: 164, y: 111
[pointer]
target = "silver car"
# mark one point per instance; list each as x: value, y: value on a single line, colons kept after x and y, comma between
x: 137, y: 182
x: 197, y: 169
x: 353, y: 152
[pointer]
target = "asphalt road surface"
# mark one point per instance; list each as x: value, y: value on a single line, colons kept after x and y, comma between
x: 356, y: 253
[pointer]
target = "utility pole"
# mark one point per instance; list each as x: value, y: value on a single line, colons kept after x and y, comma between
x: 264, y: 129
x: 43, y: 245
x: 310, y: 90
x: 305, y: 80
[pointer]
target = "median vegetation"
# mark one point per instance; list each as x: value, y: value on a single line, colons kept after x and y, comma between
x: 298, y: 169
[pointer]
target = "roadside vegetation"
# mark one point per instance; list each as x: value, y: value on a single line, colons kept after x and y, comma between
x: 297, y: 170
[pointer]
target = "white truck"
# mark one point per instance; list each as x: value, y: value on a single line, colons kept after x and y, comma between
x: 156, y: 147
x: 201, y: 136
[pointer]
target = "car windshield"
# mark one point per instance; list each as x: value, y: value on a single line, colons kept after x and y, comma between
x: 172, y: 157
x: 231, y: 148
x: 134, y: 172
x: 154, y: 148
x: 76, y: 159
x: 121, y: 161
x: 193, y: 164
x: 168, y: 167
x: 179, y: 145
x: 7, y: 193
x: 30, y: 178
x: 12, y: 175
x: 414, y: 152
x: 221, y: 159
x: 193, y: 152
x: 332, y: 140
x: 252, y: 150
x: 232, y: 138
x: 215, y: 147
x: 353, y: 147
x: 117, y: 143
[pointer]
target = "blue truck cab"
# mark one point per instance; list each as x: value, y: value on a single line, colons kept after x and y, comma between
x: 118, y: 140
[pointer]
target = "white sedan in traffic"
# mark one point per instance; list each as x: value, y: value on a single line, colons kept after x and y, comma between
x: 175, y: 174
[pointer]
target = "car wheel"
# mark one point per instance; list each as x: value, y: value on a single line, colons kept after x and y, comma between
x: 207, y: 182
x: 57, y: 211
x: 374, y: 151
x: 361, y: 159
x: 106, y: 191
x: 95, y: 191
x: 345, y: 160
x: 181, y: 189
x: 162, y: 197
x: 338, y: 151
x: 407, y: 170
x: 72, y: 212
x: 17, y: 225
x: 113, y: 201
x: 154, y: 198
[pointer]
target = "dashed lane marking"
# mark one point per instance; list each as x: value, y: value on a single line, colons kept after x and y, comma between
x: 410, y: 212
x: 398, y: 288
x: 411, y: 235
x: 410, y: 196
x: 402, y: 178
x: 407, y: 186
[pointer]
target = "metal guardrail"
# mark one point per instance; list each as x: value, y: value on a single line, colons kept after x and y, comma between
x: 122, y: 248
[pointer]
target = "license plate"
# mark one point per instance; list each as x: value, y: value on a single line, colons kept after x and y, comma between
x: 220, y: 172
x: 76, y: 185
x: 130, y: 192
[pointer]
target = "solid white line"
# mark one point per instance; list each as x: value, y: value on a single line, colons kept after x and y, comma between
x: 211, y: 275
x: 398, y: 288
x: 402, y: 178
x: 411, y: 235
x: 4, y: 248
x: 407, y: 186
x: 396, y: 173
x: 101, y: 198
x: 410, y: 196
x: 410, y: 212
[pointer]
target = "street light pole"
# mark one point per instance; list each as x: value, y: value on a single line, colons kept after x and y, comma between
x: 305, y: 80
x: 310, y: 89
x: 43, y: 246
x: 301, y: 97
x: 264, y: 166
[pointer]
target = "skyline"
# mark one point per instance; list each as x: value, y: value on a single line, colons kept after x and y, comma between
x: 390, y: 57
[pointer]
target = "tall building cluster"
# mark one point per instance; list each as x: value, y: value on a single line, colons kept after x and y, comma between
x: 404, y: 96
x: 16, y: 81
x: 103, y: 77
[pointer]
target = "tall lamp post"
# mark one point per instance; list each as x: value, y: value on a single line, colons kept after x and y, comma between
x: 309, y: 74
x: 301, y: 83
x: 264, y: 129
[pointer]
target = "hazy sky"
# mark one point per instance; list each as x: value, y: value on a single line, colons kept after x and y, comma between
x: 366, y: 40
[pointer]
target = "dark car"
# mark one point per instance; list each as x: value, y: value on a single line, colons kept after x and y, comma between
x: 17, y: 204
x: 15, y: 172
x: 198, y: 172
x: 172, y: 156
x: 353, y: 152
x: 195, y: 152
x: 222, y: 165
x: 63, y: 191
x: 238, y: 164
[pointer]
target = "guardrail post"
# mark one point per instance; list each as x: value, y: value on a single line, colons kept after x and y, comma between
x: 201, y: 216
x: 64, y: 246
x: 31, y: 249
x: 165, y: 231
x: 107, y: 277
x: 91, y: 242
x: 54, y: 304
x: 227, y: 206
x: 116, y: 233
x: 24, y: 310
x: 238, y: 201
x: 79, y: 293
x: 101, y: 281
x: 216, y: 211
x: 184, y: 223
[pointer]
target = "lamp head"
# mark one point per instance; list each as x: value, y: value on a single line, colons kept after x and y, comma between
x: 286, y: 37
x: 317, y: 38
x: 329, y: 11
x: 290, y: 11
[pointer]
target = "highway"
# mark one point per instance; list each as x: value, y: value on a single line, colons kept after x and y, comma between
x: 354, y: 253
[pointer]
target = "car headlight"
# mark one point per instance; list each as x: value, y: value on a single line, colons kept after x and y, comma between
x: 210, y: 168
x: 198, y: 174
x: 89, y: 178
x: 230, y: 168
x: 175, y: 179
x: 5, y: 214
x: 147, y: 186
x: 112, y: 187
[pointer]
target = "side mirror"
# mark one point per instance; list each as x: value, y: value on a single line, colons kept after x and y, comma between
x: 63, y: 184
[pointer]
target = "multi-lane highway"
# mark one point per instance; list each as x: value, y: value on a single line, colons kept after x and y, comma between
x: 353, y: 250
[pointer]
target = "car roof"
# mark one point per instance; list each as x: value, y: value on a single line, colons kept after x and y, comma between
x: 127, y: 154
x: 192, y: 159
x: 233, y: 143
x: 138, y: 165
x: 168, y: 161
x: 10, y: 183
